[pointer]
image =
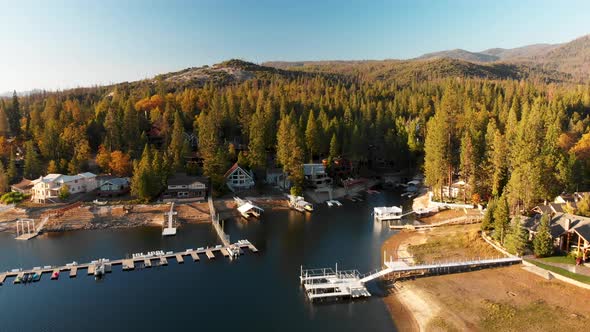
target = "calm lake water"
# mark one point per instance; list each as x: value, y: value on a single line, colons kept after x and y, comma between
x: 257, y: 292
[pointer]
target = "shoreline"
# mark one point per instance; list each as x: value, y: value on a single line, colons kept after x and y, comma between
x: 498, y: 298
x: 400, y: 301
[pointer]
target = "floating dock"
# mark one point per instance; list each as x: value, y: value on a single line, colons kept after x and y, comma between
x: 128, y: 264
x: 209, y: 254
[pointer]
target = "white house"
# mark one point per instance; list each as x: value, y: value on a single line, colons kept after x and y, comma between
x: 315, y: 176
x: 47, y: 188
x: 238, y: 179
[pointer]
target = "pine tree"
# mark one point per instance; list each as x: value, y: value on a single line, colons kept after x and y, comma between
x: 32, y: 167
x: 543, y: 242
x: 52, y: 167
x: 131, y: 131
x: 516, y: 240
x: 4, y: 126
x: 437, y: 149
x: 312, y: 135
x: 4, y: 185
x: 334, y: 147
x: 256, y: 148
x: 11, y: 171
x: 14, y: 115
x: 501, y: 219
x: 488, y: 218
x: 175, y: 149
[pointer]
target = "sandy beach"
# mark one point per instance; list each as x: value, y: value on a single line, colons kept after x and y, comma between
x: 500, y: 299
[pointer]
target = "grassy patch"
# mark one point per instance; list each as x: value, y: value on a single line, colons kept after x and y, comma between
x: 560, y: 259
x: 563, y: 272
x: 535, y: 316
x: 440, y: 324
x: 457, y: 245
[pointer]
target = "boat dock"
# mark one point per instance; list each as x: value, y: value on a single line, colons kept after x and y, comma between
x: 128, y: 264
x: 327, y: 283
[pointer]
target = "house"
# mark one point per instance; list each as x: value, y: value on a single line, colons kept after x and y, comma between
x: 550, y: 208
x: 47, y: 188
x: 276, y: 177
x: 24, y: 187
x: 571, y: 199
x: 458, y: 189
x: 183, y: 186
x: 316, y: 176
x: 570, y: 232
x: 112, y: 186
x: 238, y: 179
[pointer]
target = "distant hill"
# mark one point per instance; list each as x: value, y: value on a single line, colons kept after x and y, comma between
x: 567, y: 62
x: 405, y: 71
x: 524, y: 52
x: 460, y: 54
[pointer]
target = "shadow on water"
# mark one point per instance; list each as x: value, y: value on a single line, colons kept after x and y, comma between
x: 256, y: 292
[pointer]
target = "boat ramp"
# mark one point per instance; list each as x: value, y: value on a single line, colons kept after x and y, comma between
x: 155, y: 258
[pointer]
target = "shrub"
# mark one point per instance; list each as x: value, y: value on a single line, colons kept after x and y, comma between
x: 12, y: 198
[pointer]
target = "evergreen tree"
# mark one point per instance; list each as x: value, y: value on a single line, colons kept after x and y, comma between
x: 256, y: 148
x: 312, y: 135
x: 543, y: 242
x: 4, y: 126
x: 516, y: 240
x: 437, y: 149
x: 501, y: 219
x: 488, y: 218
x: 52, y: 167
x: 32, y: 167
x: 4, y: 184
x: 11, y: 171
x: 334, y: 147
x: 176, y: 147
x: 14, y: 115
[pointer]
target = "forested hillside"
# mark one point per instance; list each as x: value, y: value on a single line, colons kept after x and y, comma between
x: 527, y: 140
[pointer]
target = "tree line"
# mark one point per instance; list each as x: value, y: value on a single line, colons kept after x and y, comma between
x: 526, y: 141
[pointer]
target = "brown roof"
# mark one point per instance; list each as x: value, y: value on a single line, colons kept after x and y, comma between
x: 24, y: 184
x: 183, y: 178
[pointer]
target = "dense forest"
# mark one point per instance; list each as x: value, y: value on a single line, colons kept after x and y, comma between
x: 527, y: 141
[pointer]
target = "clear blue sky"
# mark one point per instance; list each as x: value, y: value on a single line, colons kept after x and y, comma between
x: 62, y: 44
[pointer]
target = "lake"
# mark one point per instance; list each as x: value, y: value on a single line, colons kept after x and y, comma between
x: 257, y: 292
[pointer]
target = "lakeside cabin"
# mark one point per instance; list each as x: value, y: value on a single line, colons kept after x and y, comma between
x: 183, y: 186
x: 46, y: 188
x: 238, y: 179
x: 298, y: 203
x: 387, y: 213
x: 112, y: 186
x: 570, y: 233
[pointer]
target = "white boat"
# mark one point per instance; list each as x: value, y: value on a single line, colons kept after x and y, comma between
x: 298, y: 203
x: 387, y: 213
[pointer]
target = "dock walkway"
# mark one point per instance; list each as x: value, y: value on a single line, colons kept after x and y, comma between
x: 128, y: 264
x: 328, y: 283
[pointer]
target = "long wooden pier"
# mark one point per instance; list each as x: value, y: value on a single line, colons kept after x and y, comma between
x: 327, y: 283
x: 128, y: 264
